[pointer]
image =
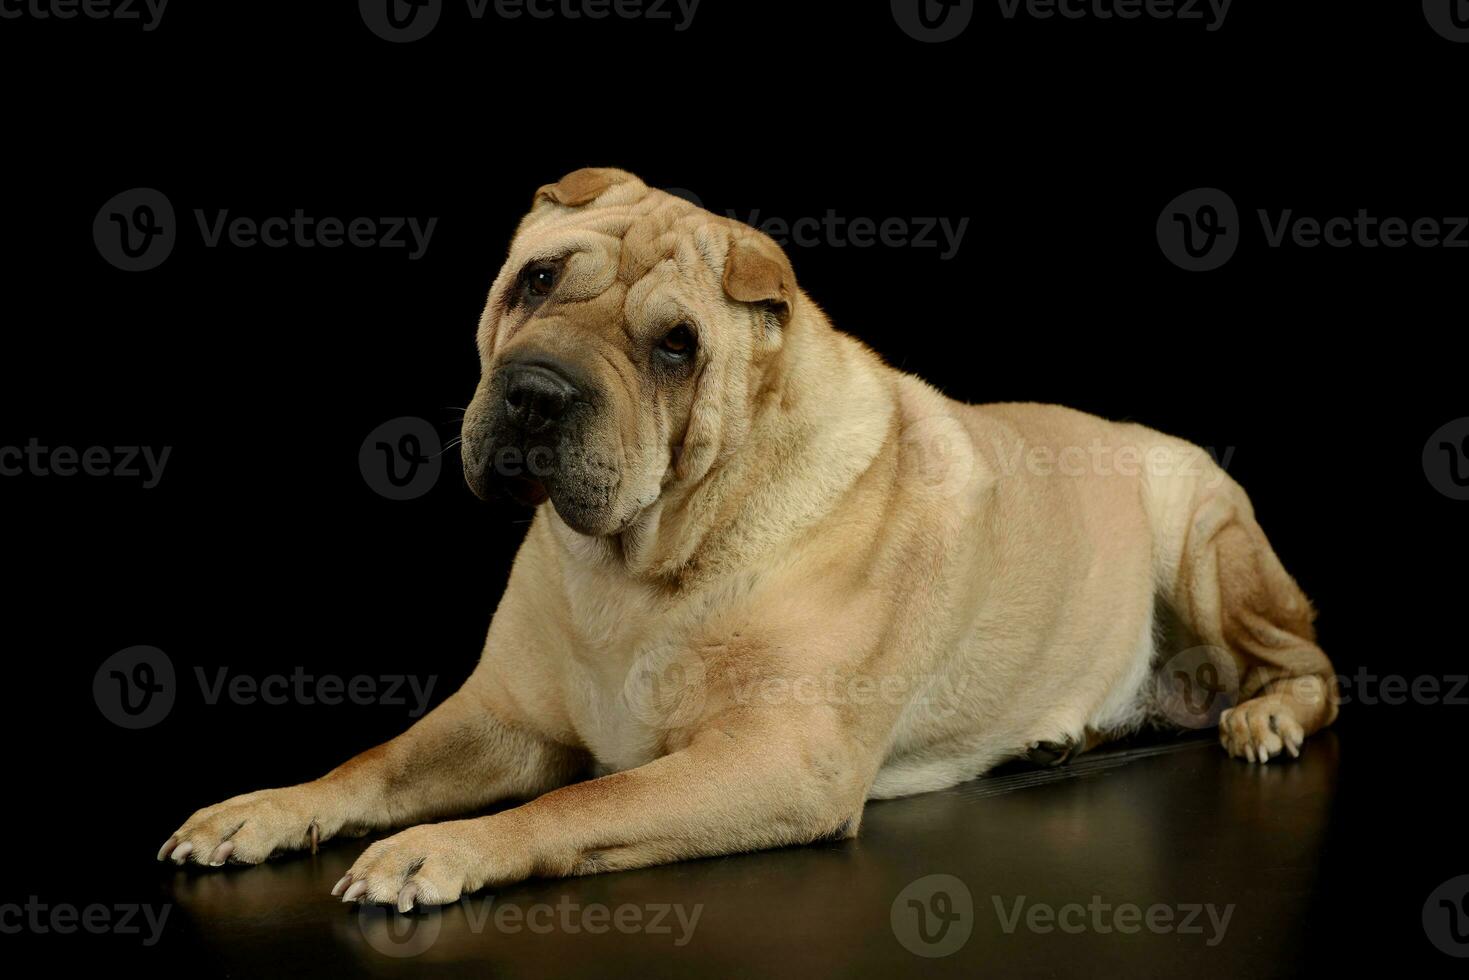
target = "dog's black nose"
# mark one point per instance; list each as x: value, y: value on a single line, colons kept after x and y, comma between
x: 536, y: 397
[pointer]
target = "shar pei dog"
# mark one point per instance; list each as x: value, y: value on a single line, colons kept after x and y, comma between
x: 770, y: 578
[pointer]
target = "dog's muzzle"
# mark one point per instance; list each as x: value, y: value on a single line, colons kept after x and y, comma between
x: 536, y: 412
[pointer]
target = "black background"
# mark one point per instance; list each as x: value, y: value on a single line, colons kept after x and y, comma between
x: 1323, y: 372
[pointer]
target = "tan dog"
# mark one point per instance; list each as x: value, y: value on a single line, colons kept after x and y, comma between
x: 778, y: 578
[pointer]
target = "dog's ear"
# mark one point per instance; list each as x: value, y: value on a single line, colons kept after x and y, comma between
x: 757, y: 271
x: 581, y: 187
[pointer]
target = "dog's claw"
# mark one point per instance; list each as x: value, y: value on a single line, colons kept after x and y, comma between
x: 355, y: 892
x: 221, y: 854
x: 182, y: 852
x: 167, y: 848
x: 341, y: 886
x: 406, y: 896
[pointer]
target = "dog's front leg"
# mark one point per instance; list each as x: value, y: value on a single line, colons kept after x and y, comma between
x: 458, y: 758
x: 735, y: 787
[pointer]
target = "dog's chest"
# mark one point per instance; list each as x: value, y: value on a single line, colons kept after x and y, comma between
x: 621, y: 717
x: 624, y: 683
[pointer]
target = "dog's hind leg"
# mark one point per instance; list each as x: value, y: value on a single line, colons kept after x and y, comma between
x: 1230, y: 590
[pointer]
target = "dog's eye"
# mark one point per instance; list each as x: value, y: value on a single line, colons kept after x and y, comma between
x: 540, y: 279
x: 678, y: 344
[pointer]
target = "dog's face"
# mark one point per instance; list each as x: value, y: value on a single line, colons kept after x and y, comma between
x: 621, y: 350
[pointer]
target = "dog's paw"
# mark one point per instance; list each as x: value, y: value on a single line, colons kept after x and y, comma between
x: 432, y: 864
x: 1051, y: 753
x: 245, y: 830
x: 1261, y: 729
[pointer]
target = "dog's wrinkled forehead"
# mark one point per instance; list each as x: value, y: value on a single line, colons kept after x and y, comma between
x: 616, y: 213
x: 619, y: 241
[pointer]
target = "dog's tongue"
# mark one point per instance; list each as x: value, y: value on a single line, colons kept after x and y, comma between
x: 524, y: 490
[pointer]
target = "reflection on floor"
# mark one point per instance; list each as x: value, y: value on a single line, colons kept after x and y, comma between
x: 1148, y: 859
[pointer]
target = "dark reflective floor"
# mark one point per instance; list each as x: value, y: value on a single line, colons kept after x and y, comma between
x: 1158, y: 860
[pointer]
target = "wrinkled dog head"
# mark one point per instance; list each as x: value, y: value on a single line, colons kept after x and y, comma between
x: 621, y: 349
